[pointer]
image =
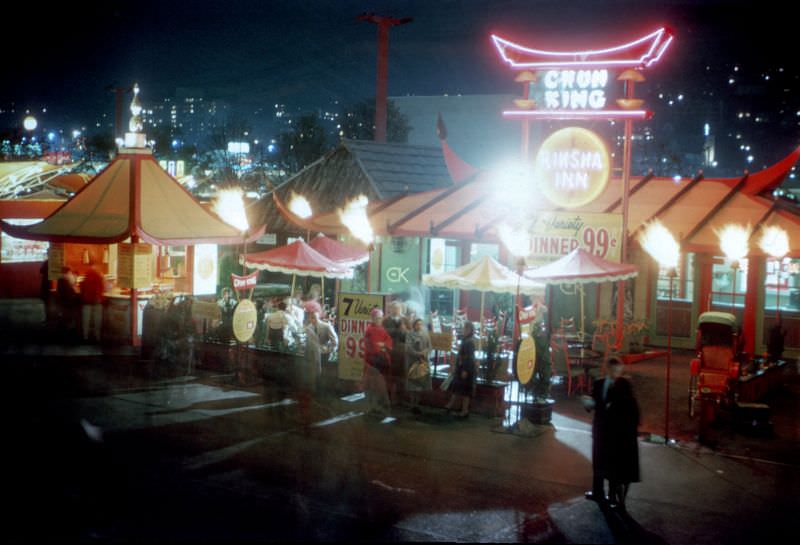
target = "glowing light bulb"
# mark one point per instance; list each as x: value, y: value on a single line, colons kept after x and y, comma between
x: 354, y: 217
x: 299, y: 206
x: 229, y: 205
x: 660, y: 244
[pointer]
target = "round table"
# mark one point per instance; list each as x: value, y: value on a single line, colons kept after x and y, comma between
x: 588, y: 359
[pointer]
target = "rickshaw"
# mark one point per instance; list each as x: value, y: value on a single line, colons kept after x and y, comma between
x: 715, y: 370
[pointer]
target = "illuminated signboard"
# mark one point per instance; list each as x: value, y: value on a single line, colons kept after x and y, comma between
x: 205, y: 269
x: 17, y: 250
x: 555, y: 234
x: 571, y: 89
x: 572, y: 167
x: 579, y: 84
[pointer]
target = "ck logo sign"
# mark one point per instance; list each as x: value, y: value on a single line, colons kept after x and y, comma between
x: 397, y: 274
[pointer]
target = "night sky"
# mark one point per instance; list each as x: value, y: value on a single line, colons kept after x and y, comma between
x: 307, y: 53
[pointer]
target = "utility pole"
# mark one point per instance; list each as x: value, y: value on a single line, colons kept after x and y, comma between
x: 382, y: 79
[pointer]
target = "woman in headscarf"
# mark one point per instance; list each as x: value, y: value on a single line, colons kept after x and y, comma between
x: 418, y: 347
x: 464, y: 379
x: 377, y: 363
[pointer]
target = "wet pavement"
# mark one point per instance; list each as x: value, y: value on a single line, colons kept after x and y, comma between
x: 106, y: 447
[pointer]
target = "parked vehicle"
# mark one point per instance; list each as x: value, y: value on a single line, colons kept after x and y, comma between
x: 715, y: 370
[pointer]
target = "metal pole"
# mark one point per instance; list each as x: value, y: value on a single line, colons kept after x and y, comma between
x: 734, y: 266
x: 382, y: 77
x: 626, y: 181
x: 669, y: 358
x: 382, y: 82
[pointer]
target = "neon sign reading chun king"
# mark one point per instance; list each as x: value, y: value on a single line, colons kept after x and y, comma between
x: 573, y: 89
x: 577, y: 84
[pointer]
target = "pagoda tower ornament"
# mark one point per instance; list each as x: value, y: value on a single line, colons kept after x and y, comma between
x: 135, y: 138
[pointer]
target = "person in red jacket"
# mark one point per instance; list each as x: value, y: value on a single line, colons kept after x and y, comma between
x: 377, y: 362
x: 92, y: 289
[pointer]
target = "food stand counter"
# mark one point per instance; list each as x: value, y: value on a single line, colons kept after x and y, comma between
x: 117, y: 315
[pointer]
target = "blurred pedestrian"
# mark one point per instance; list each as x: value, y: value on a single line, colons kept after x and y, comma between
x: 418, y: 349
x: 277, y: 326
x: 615, y: 448
x: 377, y: 364
x: 463, y: 386
x: 44, y: 282
x: 68, y: 299
x: 622, y: 413
x: 312, y: 302
x: 328, y: 339
x: 227, y: 305
x: 92, y: 289
x: 396, y: 325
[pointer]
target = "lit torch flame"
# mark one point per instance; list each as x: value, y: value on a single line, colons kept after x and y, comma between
x: 660, y: 244
x: 299, y: 206
x: 774, y: 241
x: 733, y: 240
x: 354, y: 217
x: 229, y: 205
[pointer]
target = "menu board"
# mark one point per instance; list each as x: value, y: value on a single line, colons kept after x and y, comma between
x: 17, y: 250
x: 135, y: 265
x: 55, y: 260
x: 354, y: 317
x: 245, y: 318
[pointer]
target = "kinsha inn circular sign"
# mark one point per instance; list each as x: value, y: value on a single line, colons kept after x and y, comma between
x: 572, y: 167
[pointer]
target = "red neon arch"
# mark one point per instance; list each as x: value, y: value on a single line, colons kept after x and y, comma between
x: 640, y: 53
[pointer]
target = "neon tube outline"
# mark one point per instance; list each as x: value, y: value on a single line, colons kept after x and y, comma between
x: 580, y: 114
x: 661, y: 39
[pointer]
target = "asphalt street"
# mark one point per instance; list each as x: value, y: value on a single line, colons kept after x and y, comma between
x: 106, y: 447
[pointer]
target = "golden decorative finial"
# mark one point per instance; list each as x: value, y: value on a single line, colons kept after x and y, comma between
x: 135, y: 137
x: 135, y: 124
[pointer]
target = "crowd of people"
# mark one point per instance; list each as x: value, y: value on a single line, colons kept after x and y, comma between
x: 76, y: 306
x: 397, y: 350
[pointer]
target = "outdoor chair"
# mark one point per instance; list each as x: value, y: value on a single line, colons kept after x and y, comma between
x: 600, y: 343
x: 562, y: 366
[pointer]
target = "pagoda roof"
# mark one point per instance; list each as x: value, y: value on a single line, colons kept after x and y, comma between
x: 132, y: 197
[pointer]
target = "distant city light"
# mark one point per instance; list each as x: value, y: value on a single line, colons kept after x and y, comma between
x: 30, y: 123
x: 238, y: 147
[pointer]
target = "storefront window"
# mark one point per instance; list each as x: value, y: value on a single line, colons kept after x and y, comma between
x: 728, y: 285
x: 782, y: 293
x: 782, y: 284
x: 674, y: 315
x: 17, y: 250
x: 442, y: 300
x: 175, y: 264
x: 478, y: 251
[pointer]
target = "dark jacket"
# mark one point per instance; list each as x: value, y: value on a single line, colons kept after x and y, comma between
x: 622, y: 419
x: 464, y: 385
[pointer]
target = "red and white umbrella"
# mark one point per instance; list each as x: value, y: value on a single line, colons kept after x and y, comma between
x: 580, y: 267
x: 297, y: 258
x: 344, y: 255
